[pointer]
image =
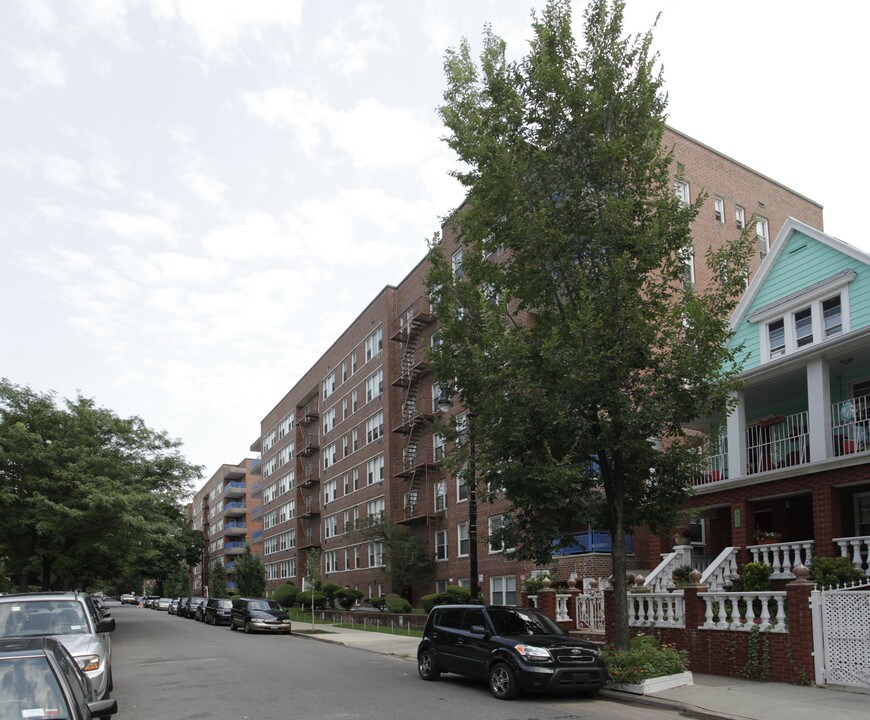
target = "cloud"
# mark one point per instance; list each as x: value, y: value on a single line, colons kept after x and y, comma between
x: 138, y: 228
x: 354, y: 39
x: 204, y: 185
x: 44, y: 66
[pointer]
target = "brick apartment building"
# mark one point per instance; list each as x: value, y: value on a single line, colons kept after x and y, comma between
x: 221, y: 511
x: 352, y: 438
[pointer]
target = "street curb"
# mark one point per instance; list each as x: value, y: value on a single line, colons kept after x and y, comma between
x: 317, y: 636
x: 665, y: 704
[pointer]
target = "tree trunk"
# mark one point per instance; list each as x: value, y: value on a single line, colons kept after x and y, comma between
x: 47, y: 562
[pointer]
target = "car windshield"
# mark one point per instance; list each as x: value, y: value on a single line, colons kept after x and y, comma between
x: 29, y: 690
x: 224, y: 603
x: 263, y: 605
x: 22, y: 618
x: 508, y: 621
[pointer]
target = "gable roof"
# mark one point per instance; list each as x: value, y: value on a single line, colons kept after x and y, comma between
x: 779, y: 244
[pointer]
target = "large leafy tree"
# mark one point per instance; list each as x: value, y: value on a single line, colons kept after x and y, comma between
x: 250, y: 574
x: 570, y: 332
x: 406, y: 561
x: 85, y: 495
x: 217, y: 583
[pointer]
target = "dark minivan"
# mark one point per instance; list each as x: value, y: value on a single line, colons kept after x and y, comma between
x: 217, y: 611
x: 513, y: 648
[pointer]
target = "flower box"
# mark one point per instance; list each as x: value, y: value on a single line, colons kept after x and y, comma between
x: 654, y: 685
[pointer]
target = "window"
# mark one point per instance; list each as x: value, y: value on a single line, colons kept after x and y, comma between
x: 270, y: 493
x: 329, y: 385
x: 286, y: 566
x: 440, y: 544
x: 286, y: 425
x: 440, y: 495
x: 287, y: 540
x: 269, y: 467
x: 344, y: 409
x: 330, y: 488
x: 344, y: 371
x: 355, y: 473
x: 269, y: 441
x: 330, y: 561
x: 374, y: 343
x: 457, y: 264
x: 330, y: 455
x: 461, y: 489
x: 776, y: 338
x: 763, y: 233
x: 832, y: 312
x: 376, y: 554
x: 285, y: 454
x: 328, y: 420
x: 287, y: 511
x: 719, y: 209
x: 741, y: 217
x: 682, y: 191
x: 462, y: 539
x: 375, y: 470
x: 803, y: 327
x: 439, y: 446
x: 354, y: 401
x: 270, y: 545
x: 354, y: 439
x: 330, y: 526
x: 375, y: 508
x: 271, y: 571
x: 862, y: 514
x: 374, y: 385
x: 496, y: 523
x: 689, y: 260
x: 375, y: 427
x: 353, y: 362
x: 503, y: 590
x: 285, y: 482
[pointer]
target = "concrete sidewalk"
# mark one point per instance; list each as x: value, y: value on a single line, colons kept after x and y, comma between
x: 710, y: 696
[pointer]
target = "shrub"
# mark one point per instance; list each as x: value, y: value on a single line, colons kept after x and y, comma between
x: 644, y: 659
x: 347, y: 597
x: 285, y: 595
x: 755, y: 577
x: 533, y: 584
x: 308, y: 596
x: 681, y: 575
x: 429, y: 601
x: 831, y: 571
x: 329, y: 589
x: 378, y: 603
x: 454, y: 595
x: 397, y: 604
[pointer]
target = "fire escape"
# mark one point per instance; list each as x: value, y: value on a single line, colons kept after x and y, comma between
x: 417, y: 464
x: 308, y: 474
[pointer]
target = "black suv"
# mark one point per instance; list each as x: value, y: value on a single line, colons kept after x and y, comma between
x: 259, y: 614
x: 514, y: 648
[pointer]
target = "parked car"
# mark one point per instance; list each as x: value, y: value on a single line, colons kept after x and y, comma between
x: 188, y: 607
x: 163, y: 604
x: 128, y: 599
x: 173, y: 606
x: 217, y: 611
x: 513, y: 648
x: 71, y: 618
x: 199, y: 614
x: 100, y: 604
x: 259, y: 614
x: 40, y: 679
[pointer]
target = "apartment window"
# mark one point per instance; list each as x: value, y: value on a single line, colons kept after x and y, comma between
x: 375, y: 427
x: 461, y: 489
x: 328, y: 420
x: 271, y: 571
x: 719, y: 209
x: 462, y: 539
x: 440, y: 495
x: 353, y: 362
x: 286, y: 511
x: 286, y: 425
x: 330, y: 455
x: 803, y: 327
x: 270, y: 546
x: 269, y: 467
x: 346, y: 483
x: 285, y: 454
x: 374, y: 343
x: 440, y: 586
x: 375, y: 470
x: 503, y: 590
x: 457, y: 264
x: 287, y: 540
x: 345, y: 446
x: 441, y: 545
x: 862, y: 514
x: 344, y: 409
x: 496, y: 523
x: 291, y: 567
x: 776, y: 337
x: 832, y: 311
x: 374, y: 385
x: 329, y: 385
x: 270, y: 493
x: 344, y: 372
x: 330, y: 488
x: 741, y: 217
x: 376, y: 554
x: 682, y: 190
x: 354, y: 401
x: 439, y: 447
x: 269, y: 441
x: 763, y: 233
x: 285, y: 482
x: 330, y: 526
x: 354, y: 438
x: 375, y: 508
x: 689, y: 272
x: 330, y: 561
x: 355, y: 473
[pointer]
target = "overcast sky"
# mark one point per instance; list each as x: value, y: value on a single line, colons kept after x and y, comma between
x: 198, y: 196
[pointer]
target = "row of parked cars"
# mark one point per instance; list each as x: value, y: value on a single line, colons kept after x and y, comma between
x: 55, y: 656
x: 248, y: 614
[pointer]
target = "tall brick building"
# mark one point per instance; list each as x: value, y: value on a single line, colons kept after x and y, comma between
x: 352, y: 437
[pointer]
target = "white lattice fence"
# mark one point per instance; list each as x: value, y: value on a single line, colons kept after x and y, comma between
x: 841, y: 636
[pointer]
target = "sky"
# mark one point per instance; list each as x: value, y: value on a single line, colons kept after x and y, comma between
x: 199, y: 196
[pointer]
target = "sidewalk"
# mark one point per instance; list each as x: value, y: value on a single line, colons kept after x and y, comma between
x: 711, y: 696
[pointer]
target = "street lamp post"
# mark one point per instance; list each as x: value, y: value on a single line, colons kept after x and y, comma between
x: 444, y: 404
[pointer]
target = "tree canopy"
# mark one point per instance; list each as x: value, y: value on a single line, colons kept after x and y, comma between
x: 569, y: 329
x: 250, y: 574
x: 87, y: 497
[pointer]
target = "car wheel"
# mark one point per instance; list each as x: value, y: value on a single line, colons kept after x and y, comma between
x: 247, y: 627
x: 503, y: 682
x: 233, y: 625
x: 426, y: 666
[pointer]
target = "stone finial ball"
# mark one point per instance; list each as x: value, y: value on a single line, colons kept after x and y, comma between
x: 546, y: 583
x: 801, y: 572
x: 593, y: 584
x: 695, y: 576
x: 639, y: 580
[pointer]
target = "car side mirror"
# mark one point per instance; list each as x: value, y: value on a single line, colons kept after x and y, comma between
x: 478, y: 629
x: 106, y: 625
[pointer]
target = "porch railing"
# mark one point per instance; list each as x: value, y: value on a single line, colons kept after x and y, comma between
x: 850, y: 423
x: 721, y: 571
x: 660, y: 580
x: 777, y: 442
x: 783, y: 556
x: 715, y: 465
x: 657, y: 609
x: 744, y: 610
x: 857, y: 548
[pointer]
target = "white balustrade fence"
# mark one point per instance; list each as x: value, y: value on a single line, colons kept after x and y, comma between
x: 744, y: 611
x: 658, y: 609
x: 722, y: 571
x: 857, y: 548
x: 783, y: 557
x: 562, y: 608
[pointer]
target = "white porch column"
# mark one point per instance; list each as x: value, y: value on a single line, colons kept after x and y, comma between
x: 819, y: 398
x: 736, y: 429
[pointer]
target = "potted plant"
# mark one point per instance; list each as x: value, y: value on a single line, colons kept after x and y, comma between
x: 767, y: 537
x: 682, y: 575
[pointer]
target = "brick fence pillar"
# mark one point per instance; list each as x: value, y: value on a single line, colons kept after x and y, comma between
x: 800, y: 624
x: 547, y: 600
x: 827, y: 521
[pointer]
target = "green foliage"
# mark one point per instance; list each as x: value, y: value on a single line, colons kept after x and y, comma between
x: 378, y: 603
x: 754, y: 577
x: 397, y: 604
x: 250, y: 574
x: 571, y: 334
x: 347, y: 598
x: 758, y: 660
x: 217, y: 579
x: 306, y: 597
x: 682, y: 574
x: 429, y: 601
x: 406, y: 559
x: 329, y: 589
x: 87, y: 497
x: 645, y: 658
x: 534, y: 583
x: 285, y: 595
x: 832, y: 571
